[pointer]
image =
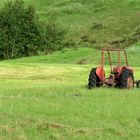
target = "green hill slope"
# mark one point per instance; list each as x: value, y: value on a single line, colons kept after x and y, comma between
x: 96, y: 23
x: 80, y: 56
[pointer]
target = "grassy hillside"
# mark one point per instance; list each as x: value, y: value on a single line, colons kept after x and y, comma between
x: 95, y: 23
x: 79, y: 56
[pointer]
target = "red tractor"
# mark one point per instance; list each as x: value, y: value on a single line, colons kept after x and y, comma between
x: 121, y: 75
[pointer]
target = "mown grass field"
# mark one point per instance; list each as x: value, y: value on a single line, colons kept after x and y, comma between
x: 45, y: 97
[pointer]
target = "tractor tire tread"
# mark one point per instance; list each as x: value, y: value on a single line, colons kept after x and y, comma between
x: 124, y: 76
x: 93, y: 79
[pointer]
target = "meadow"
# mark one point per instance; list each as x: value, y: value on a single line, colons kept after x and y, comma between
x: 45, y: 97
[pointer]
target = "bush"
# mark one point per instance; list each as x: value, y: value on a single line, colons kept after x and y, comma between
x: 54, y: 37
x: 21, y: 33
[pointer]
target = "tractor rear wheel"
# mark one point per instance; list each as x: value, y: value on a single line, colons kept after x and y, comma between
x: 93, y: 80
x: 127, y: 79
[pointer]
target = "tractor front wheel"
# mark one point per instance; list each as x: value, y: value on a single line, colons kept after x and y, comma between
x: 127, y: 79
x: 93, y: 80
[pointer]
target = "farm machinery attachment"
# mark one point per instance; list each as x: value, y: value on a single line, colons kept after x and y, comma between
x: 121, y: 74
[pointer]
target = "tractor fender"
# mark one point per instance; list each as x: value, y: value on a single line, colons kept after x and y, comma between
x: 129, y: 68
x: 100, y: 73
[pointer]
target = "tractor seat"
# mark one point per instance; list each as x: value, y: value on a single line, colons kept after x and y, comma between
x: 116, y: 70
x: 113, y: 72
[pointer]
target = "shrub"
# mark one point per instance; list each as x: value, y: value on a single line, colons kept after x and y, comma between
x: 54, y: 37
x: 21, y: 33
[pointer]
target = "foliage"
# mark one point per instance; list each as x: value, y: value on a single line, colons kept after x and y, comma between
x: 54, y: 37
x: 22, y: 34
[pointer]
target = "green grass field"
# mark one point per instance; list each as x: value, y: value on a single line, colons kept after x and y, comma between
x: 45, y: 97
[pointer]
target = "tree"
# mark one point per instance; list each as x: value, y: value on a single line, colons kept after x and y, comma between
x: 21, y: 33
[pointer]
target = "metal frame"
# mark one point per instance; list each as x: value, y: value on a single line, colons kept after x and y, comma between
x: 119, y: 57
x: 108, y: 50
x: 114, y: 77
